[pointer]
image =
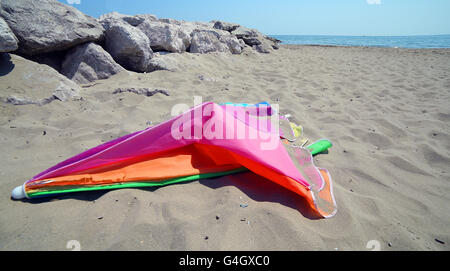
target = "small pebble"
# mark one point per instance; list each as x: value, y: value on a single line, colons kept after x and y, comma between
x: 44, y: 133
x: 100, y: 217
x: 217, y: 217
x: 206, y: 237
x: 439, y: 241
x: 389, y: 244
x: 243, y: 205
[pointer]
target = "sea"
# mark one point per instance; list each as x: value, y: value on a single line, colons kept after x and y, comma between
x: 429, y: 41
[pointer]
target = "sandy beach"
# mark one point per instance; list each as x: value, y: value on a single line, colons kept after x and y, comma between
x: 386, y: 110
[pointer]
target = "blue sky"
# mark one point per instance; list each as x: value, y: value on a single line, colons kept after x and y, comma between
x: 295, y: 17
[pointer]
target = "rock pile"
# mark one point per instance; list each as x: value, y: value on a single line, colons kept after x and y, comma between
x: 85, y: 49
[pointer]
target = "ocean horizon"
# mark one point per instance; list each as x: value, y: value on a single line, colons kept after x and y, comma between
x: 417, y: 42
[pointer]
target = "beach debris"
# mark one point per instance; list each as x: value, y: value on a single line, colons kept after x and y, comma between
x: 217, y: 217
x: 141, y: 91
x: 206, y: 237
x: 207, y: 79
x: 178, y: 166
x: 439, y: 241
x: 389, y: 244
x: 319, y: 146
x: 100, y: 217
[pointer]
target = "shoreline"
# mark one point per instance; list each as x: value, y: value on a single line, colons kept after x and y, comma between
x: 358, y: 47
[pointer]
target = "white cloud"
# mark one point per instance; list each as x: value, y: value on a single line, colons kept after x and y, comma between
x: 74, y: 2
x: 374, y: 2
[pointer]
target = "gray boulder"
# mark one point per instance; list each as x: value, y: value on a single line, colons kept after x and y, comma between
x: 139, y: 18
x: 8, y: 41
x: 134, y: 20
x: 47, y: 25
x: 210, y: 41
x: 249, y: 36
x: 207, y: 41
x: 233, y: 44
x: 165, y: 36
x: 256, y: 39
x: 264, y: 48
x: 163, y: 63
x: 128, y: 45
x: 89, y: 62
x: 230, y: 27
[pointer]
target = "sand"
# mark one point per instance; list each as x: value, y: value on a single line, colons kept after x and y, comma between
x: 387, y: 111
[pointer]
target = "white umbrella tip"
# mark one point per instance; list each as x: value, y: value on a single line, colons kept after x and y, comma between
x: 18, y: 193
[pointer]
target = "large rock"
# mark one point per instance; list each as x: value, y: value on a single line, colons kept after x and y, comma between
x: 26, y: 82
x: 164, y: 62
x: 89, y: 62
x: 249, y: 36
x: 134, y: 20
x: 48, y: 25
x: 128, y: 45
x: 230, y: 27
x: 8, y: 41
x: 256, y: 39
x: 210, y: 41
x: 165, y: 36
x: 233, y: 44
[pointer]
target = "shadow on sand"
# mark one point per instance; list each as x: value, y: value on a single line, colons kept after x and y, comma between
x: 6, y: 65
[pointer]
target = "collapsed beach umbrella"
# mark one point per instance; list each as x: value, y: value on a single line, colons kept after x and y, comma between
x: 206, y: 141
